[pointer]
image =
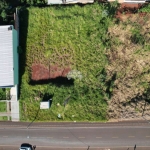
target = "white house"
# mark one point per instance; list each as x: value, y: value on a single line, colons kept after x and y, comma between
x: 8, y: 56
x: 9, y: 66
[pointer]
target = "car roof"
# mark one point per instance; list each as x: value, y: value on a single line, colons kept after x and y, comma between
x: 26, y: 146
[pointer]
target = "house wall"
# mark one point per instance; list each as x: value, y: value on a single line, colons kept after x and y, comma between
x: 15, y: 55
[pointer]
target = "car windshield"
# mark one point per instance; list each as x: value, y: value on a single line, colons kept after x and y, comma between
x: 25, y: 148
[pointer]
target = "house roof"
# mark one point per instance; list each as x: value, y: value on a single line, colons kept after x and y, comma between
x: 6, y: 56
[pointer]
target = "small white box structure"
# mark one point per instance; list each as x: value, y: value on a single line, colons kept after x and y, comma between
x: 44, y: 105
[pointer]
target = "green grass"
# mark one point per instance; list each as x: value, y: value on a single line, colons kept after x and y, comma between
x: 3, y: 118
x: 3, y: 107
x: 52, y: 33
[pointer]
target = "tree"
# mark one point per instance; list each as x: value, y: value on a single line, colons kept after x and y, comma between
x: 3, y: 10
x: 3, y: 14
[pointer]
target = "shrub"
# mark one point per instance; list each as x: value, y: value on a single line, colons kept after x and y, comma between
x: 3, y: 10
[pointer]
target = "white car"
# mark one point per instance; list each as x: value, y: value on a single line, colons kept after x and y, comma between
x: 26, y: 146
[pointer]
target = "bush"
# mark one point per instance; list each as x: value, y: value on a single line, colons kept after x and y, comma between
x: 34, y: 2
x: 3, y: 10
x: 7, y: 9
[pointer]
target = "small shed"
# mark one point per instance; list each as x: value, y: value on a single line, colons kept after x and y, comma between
x: 8, y: 56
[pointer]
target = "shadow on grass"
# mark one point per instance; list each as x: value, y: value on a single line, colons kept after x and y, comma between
x: 47, y: 97
x: 59, y: 81
x: 23, y: 15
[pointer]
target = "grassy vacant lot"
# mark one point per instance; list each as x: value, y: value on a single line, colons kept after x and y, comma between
x: 74, y: 36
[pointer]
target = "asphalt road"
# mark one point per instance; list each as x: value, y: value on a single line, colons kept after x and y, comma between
x: 77, y: 136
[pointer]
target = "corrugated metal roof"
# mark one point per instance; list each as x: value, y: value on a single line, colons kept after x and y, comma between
x: 69, y: 1
x: 6, y: 56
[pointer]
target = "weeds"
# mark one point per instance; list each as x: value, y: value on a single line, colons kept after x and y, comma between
x: 137, y: 37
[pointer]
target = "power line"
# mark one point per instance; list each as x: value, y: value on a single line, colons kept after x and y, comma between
x: 78, y: 139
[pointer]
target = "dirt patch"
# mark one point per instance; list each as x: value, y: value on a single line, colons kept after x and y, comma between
x: 129, y: 9
x: 129, y: 59
x: 39, y: 72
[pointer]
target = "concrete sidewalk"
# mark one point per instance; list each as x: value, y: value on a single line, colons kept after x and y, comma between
x: 14, y: 104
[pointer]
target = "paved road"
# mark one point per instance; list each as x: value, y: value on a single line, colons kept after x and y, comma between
x: 85, y: 148
x: 77, y: 135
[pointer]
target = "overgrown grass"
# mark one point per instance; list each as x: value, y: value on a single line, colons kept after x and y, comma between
x: 81, y: 33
